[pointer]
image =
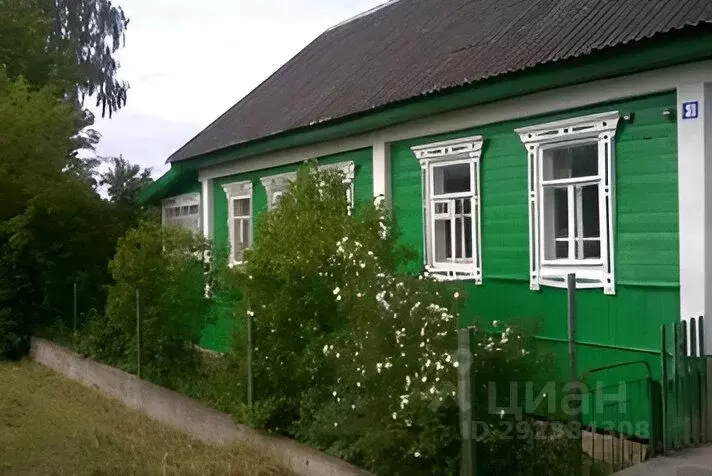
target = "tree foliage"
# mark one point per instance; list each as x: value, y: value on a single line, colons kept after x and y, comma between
x: 26, y: 49
x: 353, y: 357
x: 54, y: 229
x: 124, y: 180
x: 68, y: 44
x: 95, y: 30
x: 166, y: 266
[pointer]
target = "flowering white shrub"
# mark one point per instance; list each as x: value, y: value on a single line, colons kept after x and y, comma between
x: 352, y: 356
x: 395, y: 369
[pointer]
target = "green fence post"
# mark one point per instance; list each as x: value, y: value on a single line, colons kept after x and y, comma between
x: 703, y: 385
x: 249, y: 362
x: 573, y: 378
x: 664, y: 387
x: 694, y: 385
x: 676, y: 383
x: 686, y: 403
x: 468, y: 460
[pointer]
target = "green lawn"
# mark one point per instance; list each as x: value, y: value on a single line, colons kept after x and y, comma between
x: 50, y: 425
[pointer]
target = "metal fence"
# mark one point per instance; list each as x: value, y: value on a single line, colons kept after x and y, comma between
x: 619, y: 421
x: 665, y: 407
x: 685, y: 404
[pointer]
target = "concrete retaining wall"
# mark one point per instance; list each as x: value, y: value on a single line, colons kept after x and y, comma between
x: 187, y: 415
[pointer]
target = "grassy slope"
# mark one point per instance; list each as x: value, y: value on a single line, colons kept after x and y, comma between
x: 50, y: 425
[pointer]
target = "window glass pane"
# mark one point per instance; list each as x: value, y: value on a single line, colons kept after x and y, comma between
x: 556, y: 209
x: 591, y: 249
x: 468, y: 237
x: 571, y: 162
x: 451, y: 179
x: 237, y: 245
x: 193, y: 209
x: 589, y: 219
x: 561, y: 250
x: 241, y: 237
x: 246, y: 233
x: 441, y: 207
x: 459, y: 237
x: 443, y: 243
x: 241, y: 207
x: 556, y: 222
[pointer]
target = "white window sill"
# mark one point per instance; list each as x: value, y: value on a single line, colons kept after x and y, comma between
x: 454, y: 273
x: 588, y: 276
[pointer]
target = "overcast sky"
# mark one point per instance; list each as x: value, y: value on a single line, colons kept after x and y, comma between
x: 188, y: 61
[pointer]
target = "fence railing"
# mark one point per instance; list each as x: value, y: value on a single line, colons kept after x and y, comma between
x: 620, y: 426
x: 668, y: 407
x: 685, y: 402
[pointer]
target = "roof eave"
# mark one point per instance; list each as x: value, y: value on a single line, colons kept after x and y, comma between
x: 666, y: 50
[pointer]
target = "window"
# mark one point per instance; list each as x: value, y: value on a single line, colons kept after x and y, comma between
x: 276, y: 185
x: 571, y: 206
x: 182, y: 211
x: 239, y: 204
x: 451, y: 207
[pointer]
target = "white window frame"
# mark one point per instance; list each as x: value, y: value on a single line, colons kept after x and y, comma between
x: 184, y: 200
x: 238, y: 191
x: 466, y: 150
x: 597, y: 129
x: 276, y: 185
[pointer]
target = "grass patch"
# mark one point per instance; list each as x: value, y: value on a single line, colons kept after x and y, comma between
x: 51, y: 425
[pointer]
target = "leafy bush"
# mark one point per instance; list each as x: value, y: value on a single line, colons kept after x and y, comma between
x: 167, y: 266
x: 352, y: 356
x: 287, y: 282
x: 52, y: 228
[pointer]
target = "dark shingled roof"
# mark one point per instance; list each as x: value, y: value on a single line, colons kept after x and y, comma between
x: 407, y: 48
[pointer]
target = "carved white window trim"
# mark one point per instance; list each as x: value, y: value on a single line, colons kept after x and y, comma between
x: 237, y: 191
x: 464, y: 150
x: 192, y: 221
x: 276, y: 185
x: 595, y: 128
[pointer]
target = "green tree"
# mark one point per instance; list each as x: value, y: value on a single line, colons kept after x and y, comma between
x: 69, y: 44
x: 95, y: 30
x: 38, y: 137
x: 124, y: 181
x: 353, y: 357
x: 26, y: 51
x: 166, y: 265
x: 55, y: 230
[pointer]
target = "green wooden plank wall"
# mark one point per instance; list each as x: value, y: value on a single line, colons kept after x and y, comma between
x: 646, y: 233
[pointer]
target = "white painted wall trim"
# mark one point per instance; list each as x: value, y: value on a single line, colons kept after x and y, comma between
x: 382, y: 172
x: 235, y: 191
x: 695, y: 200
x: 190, y: 198
x: 466, y: 150
x: 529, y: 105
x: 187, y: 199
x: 207, y: 207
x: 599, y: 129
x: 276, y: 185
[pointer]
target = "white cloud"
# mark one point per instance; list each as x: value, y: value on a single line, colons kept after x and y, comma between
x: 188, y: 61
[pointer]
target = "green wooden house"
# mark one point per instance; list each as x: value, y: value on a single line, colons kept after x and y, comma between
x: 517, y: 141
